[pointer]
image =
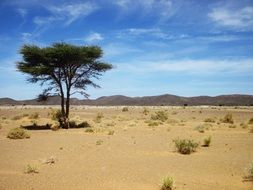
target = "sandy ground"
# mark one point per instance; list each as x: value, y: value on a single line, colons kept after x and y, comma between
x: 136, y: 156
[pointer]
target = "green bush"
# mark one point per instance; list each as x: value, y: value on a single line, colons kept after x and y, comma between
x: 185, y: 146
x: 18, y: 133
x: 160, y: 115
x: 207, y: 141
x: 228, y: 119
x: 56, y: 115
x: 167, y: 183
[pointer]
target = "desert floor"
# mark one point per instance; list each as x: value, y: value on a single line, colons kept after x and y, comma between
x: 136, y: 157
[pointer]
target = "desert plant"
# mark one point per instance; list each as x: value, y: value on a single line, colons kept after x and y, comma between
x: 232, y: 126
x: 89, y: 130
x: 228, y: 118
x: 31, y: 169
x: 167, y: 183
x: 250, y: 121
x: 160, y: 115
x: 125, y: 109
x: 145, y: 111
x: 244, y: 126
x: 111, y: 132
x: 153, y: 123
x: 185, y: 146
x: 207, y: 141
x: 98, y: 118
x: 249, y: 171
x: 99, y: 142
x: 18, y: 133
x: 55, y: 127
x: 34, y: 115
x: 210, y: 120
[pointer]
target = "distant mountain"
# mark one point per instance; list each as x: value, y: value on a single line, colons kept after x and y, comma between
x: 166, y: 100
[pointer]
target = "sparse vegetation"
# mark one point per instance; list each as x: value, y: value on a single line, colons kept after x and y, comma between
x: 18, y: 133
x: 98, y: 118
x: 250, y: 121
x: 202, y: 128
x: 29, y: 169
x: 210, y: 120
x: 167, y: 183
x: 153, y: 123
x: 111, y: 132
x: 160, y: 115
x: 125, y: 109
x: 244, y: 126
x: 145, y: 111
x: 34, y: 115
x: 249, y: 171
x: 228, y: 118
x: 185, y: 146
x: 99, y: 142
x: 232, y: 126
x: 207, y: 141
x: 89, y: 130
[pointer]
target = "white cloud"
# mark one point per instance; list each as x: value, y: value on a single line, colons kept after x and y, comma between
x: 162, y: 8
x: 66, y: 13
x: 22, y: 12
x: 94, y: 36
x: 239, y: 19
x: 26, y: 37
x: 196, y: 67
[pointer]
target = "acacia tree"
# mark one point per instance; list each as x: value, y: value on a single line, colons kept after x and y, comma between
x: 64, y: 69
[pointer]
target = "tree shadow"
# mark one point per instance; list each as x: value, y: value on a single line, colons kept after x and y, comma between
x: 37, y: 127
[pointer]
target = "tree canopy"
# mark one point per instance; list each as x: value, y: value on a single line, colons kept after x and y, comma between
x: 64, y: 69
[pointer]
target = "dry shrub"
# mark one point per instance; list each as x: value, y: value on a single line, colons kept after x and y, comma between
x: 160, y: 115
x: 185, y: 146
x: 228, y: 118
x: 167, y: 183
x: 18, y: 133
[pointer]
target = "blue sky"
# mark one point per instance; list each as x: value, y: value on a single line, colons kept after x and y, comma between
x: 181, y: 47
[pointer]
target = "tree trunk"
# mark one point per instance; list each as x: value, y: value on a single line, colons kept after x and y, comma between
x: 67, y: 107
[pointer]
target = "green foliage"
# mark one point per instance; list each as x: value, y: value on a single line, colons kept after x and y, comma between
x: 18, y: 133
x: 185, y: 146
x: 125, y: 109
x: 207, y: 141
x: 160, y: 115
x: 63, y: 68
x: 228, y: 119
x: 167, y: 183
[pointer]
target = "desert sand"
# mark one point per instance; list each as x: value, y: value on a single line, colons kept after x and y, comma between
x: 135, y: 157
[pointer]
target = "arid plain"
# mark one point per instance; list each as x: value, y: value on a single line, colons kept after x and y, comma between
x: 126, y: 150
